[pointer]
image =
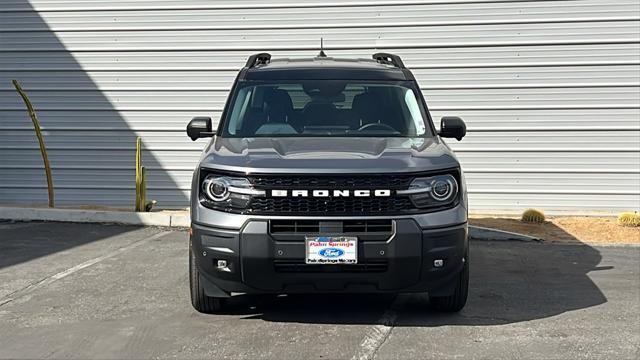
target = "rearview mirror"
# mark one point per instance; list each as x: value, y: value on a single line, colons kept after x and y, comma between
x: 452, y: 127
x: 200, y: 127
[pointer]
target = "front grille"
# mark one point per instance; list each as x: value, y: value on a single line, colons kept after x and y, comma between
x: 293, y: 266
x: 335, y: 205
x: 331, y: 206
x: 347, y: 227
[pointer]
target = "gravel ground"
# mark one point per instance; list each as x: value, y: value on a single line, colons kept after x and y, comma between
x: 106, y: 291
x: 567, y: 229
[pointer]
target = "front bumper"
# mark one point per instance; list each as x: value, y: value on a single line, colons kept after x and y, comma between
x: 261, y: 262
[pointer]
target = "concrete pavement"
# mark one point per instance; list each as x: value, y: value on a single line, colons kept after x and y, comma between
x: 107, y: 291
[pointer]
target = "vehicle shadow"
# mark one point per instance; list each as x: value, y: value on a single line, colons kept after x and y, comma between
x: 510, y: 282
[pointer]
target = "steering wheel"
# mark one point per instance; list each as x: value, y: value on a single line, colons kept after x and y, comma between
x: 377, y: 126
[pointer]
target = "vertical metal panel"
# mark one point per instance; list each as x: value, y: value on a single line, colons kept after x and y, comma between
x: 550, y: 90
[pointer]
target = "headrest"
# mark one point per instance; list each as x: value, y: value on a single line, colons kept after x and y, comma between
x: 278, y: 98
x: 366, y: 103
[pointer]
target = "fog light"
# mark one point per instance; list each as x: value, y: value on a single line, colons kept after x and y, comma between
x: 221, y: 264
x: 438, y: 263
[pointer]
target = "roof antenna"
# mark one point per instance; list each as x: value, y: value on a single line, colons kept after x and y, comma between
x: 322, y: 54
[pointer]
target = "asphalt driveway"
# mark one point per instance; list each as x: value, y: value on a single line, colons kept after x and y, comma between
x: 107, y: 291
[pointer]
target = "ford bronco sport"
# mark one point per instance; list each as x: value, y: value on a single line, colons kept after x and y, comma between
x: 327, y: 175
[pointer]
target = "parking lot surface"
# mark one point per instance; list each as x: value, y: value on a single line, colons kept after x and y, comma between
x: 107, y: 291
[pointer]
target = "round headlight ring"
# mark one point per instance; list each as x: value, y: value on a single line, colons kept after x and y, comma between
x: 217, y: 188
x: 443, y: 189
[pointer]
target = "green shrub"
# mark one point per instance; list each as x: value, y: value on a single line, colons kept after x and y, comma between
x: 533, y: 216
x: 629, y: 218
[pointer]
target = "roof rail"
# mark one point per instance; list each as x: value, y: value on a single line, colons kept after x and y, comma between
x: 258, y: 59
x: 389, y: 59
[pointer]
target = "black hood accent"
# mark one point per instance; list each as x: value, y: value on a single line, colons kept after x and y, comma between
x: 328, y: 155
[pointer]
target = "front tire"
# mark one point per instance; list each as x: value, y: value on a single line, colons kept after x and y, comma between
x: 200, y: 301
x: 456, y: 301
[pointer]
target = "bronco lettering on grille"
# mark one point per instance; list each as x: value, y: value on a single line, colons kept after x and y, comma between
x: 331, y: 193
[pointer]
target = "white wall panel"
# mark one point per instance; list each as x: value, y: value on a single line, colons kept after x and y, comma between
x: 550, y: 90
x: 431, y: 79
x: 328, y: 17
x: 416, y: 58
x: 307, y: 39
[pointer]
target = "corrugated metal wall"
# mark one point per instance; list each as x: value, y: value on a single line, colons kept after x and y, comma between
x: 550, y: 90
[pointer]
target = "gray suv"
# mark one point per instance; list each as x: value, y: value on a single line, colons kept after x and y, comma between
x: 327, y: 175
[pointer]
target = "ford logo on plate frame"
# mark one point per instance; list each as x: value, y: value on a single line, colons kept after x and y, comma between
x: 331, y: 252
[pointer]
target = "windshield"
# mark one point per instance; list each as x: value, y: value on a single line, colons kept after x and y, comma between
x: 296, y: 108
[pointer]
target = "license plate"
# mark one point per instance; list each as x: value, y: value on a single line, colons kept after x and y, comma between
x: 331, y: 250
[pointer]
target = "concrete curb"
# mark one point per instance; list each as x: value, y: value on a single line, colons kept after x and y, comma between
x: 168, y: 219
x: 183, y: 220
x: 96, y: 216
x: 482, y: 233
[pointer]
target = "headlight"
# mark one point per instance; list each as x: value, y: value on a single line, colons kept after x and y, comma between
x: 225, y: 192
x: 216, y: 188
x: 432, y: 191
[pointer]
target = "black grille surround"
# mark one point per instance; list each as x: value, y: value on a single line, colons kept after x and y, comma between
x: 333, y: 206
x: 318, y: 206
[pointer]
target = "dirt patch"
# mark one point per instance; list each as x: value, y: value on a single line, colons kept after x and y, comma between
x: 566, y: 229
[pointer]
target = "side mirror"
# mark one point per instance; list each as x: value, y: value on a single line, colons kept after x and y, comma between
x: 200, y: 127
x: 452, y: 127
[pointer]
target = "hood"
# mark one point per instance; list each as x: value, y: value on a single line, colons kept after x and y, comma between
x: 328, y: 155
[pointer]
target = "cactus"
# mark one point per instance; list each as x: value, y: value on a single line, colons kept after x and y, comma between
x: 533, y: 216
x: 139, y: 176
x: 142, y: 205
x: 43, y: 148
x: 629, y: 219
